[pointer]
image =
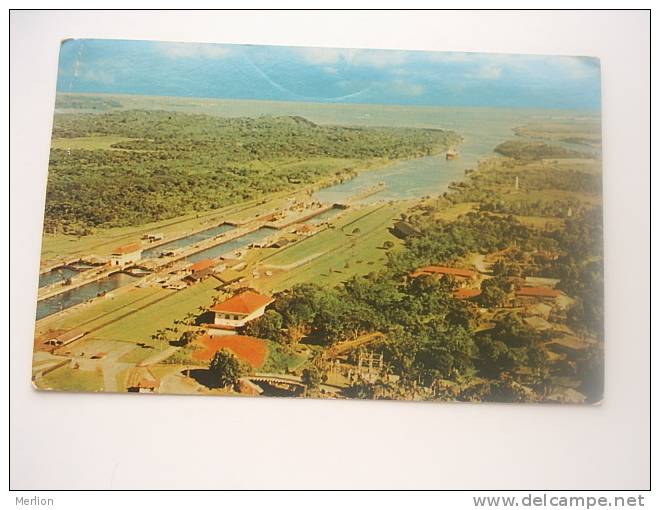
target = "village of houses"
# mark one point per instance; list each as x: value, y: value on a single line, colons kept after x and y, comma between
x: 237, y: 285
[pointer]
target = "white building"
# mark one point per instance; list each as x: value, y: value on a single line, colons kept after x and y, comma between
x: 238, y: 311
x: 126, y: 254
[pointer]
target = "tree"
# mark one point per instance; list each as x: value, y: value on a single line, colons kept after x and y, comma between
x: 312, y: 377
x: 494, y: 292
x: 185, y: 338
x: 159, y: 336
x: 446, y: 353
x: 226, y: 368
x: 298, y: 307
x: 269, y: 326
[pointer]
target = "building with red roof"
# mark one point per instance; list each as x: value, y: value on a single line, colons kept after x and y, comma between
x: 536, y: 294
x: 237, y: 311
x: 200, y: 270
x: 440, y: 271
x: 463, y: 293
x: 126, y: 254
x: 203, y: 264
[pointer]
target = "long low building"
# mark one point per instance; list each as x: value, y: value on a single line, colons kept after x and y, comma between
x: 537, y: 294
x: 439, y: 271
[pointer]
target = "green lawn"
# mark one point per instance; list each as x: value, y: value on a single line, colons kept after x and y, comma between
x: 363, y: 219
x: 102, y: 310
x: 89, y: 142
x: 139, y: 326
x: 69, y: 379
x: 280, y: 358
x: 345, y: 253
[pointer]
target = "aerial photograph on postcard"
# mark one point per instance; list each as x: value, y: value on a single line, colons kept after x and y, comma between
x: 243, y: 220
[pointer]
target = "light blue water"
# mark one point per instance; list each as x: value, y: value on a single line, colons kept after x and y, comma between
x: 56, y: 275
x: 186, y: 241
x: 73, y: 297
x: 482, y: 131
x: 231, y: 246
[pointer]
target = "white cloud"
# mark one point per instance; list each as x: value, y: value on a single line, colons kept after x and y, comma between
x: 353, y: 57
x: 194, y: 50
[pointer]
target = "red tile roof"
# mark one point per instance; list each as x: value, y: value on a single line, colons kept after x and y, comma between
x: 244, y: 303
x: 466, y: 293
x: 442, y: 270
x: 538, y: 292
x: 127, y: 248
x: 203, y: 264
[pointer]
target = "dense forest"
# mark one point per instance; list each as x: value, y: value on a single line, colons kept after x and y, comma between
x: 429, y: 337
x: 520, y: 149
x: 441, y: 346
x: 166, y: 164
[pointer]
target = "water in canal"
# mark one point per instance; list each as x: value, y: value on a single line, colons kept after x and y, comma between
x: 325, y: 216
x: 62, y: 273
x: 187, y: 241
x: 59, y: 274
x: 231, y: 246
x: 73, y: 297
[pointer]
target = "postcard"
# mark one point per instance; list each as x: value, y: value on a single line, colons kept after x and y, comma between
x: 323, y: 223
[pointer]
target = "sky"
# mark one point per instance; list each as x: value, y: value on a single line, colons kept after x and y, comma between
x: 327, y: 75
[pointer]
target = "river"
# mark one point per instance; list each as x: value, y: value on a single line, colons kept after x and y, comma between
x: 482, y: 129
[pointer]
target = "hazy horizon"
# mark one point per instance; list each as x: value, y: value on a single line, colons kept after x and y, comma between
x: 328, y: 75
x: 585, y: 110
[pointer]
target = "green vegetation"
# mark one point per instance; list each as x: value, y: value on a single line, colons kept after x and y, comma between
x: 106, y: 310
x: 519, y: 149
x: 176, y: 163
x: 141, y: 325
x: 337, y: 253
x: 281, y: 358
x: 347, y: 290
x: 312, y: 378
x: 226, y: 369
x: 584, y: 131
x: 69, y: 379
x: 438, y: 346
x: 84, y: 102
x: 556, y: 189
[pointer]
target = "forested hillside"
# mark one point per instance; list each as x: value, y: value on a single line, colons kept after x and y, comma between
x: 132, y: 167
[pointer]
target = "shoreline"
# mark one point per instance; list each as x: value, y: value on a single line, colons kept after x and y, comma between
x: 306, y: 190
